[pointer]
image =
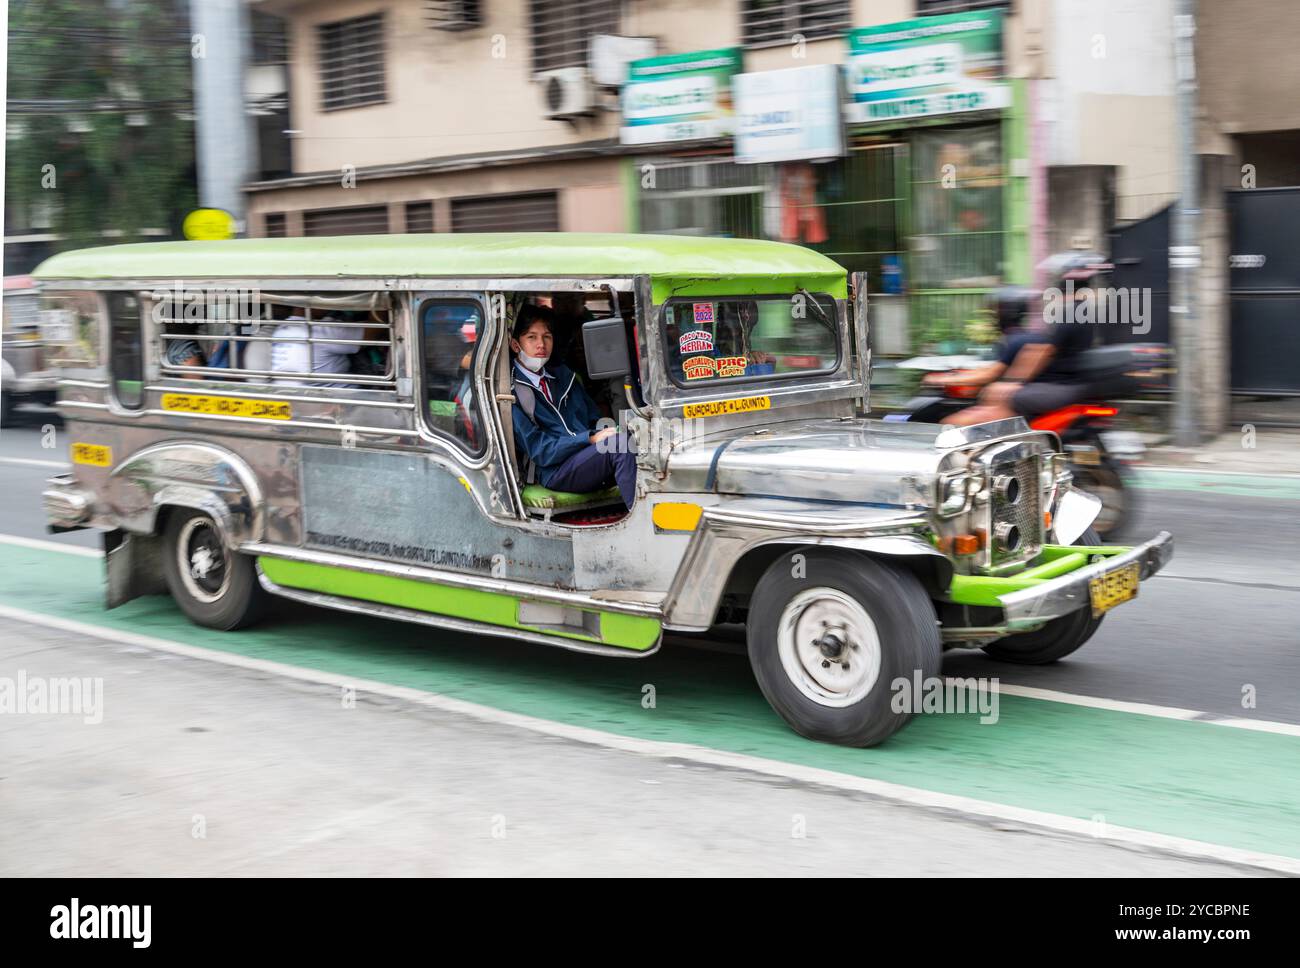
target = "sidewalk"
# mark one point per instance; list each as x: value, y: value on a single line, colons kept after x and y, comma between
x: 1264, y: 452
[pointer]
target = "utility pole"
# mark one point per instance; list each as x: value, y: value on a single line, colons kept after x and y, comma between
x: 223, y: 130
x: 1184, y: 235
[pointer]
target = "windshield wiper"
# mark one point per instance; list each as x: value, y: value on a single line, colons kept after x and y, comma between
x: 817, y: 306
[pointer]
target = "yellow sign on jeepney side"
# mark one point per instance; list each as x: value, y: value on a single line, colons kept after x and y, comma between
x: 227, y: 406
x: 96, y: 455
x: 718, y: 408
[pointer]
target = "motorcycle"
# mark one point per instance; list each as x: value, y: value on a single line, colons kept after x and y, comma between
x: 1101, y: 458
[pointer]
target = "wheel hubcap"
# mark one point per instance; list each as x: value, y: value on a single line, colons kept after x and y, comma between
x: 829, y: 647
x: 203, y: 561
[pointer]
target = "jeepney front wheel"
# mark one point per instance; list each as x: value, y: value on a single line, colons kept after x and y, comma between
x: 213, y: 585
x: 1055, y: 640
x: 830, y: 634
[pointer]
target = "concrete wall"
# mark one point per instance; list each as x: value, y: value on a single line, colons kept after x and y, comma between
x: 1111, y: 96
x: 1247, y: 64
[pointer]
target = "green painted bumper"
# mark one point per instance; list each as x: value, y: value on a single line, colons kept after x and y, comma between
x: 1057, y: 583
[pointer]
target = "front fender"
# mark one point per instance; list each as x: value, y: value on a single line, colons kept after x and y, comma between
x: 728, y: 531
x: 200, y: 476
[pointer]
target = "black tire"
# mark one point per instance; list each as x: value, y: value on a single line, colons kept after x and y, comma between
x: 1055, y: 640
x: 6, y: 408
x: 905, y: 626
x: 1108, y: 481
x: 227, y: 595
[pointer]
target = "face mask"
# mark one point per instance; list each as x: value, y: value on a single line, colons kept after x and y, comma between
x: 531, y: 362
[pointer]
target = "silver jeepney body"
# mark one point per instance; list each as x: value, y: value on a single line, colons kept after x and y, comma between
x: 354, y: 479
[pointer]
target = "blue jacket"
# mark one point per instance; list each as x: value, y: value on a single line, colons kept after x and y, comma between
x: 559, y: 430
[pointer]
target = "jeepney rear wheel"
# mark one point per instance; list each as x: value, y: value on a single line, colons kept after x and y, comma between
x: 213, y: 585
x: 828, y: 645
x: 1055, y: 640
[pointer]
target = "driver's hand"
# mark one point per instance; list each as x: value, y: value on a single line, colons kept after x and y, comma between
x: 600, y: 435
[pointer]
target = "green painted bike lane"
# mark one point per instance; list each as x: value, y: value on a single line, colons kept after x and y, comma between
x: 1232, y: 787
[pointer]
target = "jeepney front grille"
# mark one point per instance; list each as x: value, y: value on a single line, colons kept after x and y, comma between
x: 1021, y: 518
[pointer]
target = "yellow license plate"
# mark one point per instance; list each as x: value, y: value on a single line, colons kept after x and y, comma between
x: 1113, y: 588
x: 96, y: 455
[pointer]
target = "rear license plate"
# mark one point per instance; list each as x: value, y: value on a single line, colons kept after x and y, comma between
x: 1113, y: 588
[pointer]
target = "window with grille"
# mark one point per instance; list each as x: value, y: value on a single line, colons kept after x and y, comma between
x: 351, y: 62
x: 331, y: 340
x: 562, y: 31
x: 419, y: 216
x: 453, y: 14
x: 536, y: 212
x: 926, y: 7
x: 273, y: 225
x: 367, y: 220
x: 776, y: 21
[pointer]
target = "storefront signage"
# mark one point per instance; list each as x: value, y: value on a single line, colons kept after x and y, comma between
x: 681, y: 97
x: 789, y: 115
x: 929, y: 66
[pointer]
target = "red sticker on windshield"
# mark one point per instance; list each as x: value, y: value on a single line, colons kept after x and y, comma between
x: 700, y: 367
x: 696, y: 341
x: 732, y: 365
x: 703, y: 313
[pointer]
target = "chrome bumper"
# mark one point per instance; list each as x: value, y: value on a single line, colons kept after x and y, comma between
x: 1061, y: 596
x: 67, y: 504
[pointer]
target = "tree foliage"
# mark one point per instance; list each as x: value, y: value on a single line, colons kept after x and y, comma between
x: 102, y: 91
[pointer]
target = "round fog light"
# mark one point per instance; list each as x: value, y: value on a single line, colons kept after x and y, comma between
x: 1008, y: 536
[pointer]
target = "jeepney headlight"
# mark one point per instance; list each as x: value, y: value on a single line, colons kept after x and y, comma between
x: 954, y: 493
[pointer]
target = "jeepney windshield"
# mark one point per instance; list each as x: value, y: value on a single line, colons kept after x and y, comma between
x: 737, y: 338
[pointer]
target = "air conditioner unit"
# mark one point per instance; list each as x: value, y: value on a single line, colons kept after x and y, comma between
x: 453, y: 14
x: 567, y: 92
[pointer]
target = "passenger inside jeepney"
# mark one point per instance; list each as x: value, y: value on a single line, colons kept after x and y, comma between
x: 555, y: 420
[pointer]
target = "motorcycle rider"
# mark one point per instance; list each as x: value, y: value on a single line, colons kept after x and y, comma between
x: 1046, y: 373
x: 1011, y: 305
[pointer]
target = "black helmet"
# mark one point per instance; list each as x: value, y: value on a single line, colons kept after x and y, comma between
x: 1011, y: 304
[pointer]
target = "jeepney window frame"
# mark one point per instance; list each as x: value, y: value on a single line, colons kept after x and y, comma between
x: 110, y: 324
x: 836, y: 328
x: 486, y: 334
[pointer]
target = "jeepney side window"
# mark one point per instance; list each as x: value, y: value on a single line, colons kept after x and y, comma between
x: 125, y: 349
x: 70, y: 329
x: 449, y: 333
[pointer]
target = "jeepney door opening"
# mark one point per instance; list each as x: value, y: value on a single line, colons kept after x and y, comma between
x: 571, y: 309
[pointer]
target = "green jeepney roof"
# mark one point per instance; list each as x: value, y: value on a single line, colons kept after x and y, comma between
x: 686, y: 264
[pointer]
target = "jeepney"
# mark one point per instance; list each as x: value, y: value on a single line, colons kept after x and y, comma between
x: 25, y: 376
x: 853, y: 550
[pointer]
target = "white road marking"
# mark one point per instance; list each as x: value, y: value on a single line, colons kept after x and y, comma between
x: 1028, y: 692
x: 967, y: 806
x: 33, y: 462
x: 1145, y: 709
x: 1214, y: 471
x: 43, y: 545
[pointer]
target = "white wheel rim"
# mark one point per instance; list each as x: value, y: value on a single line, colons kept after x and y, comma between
x: 829, y: 647
x: 195, y: 564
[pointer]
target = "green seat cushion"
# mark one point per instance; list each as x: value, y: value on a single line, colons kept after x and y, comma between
x: 536, y: 496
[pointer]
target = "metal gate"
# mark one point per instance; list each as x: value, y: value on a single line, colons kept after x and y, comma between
x: 1264, y: 290
x: 1140, y: 253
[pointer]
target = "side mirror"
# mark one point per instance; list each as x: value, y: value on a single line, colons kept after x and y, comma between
x: 605, y: 343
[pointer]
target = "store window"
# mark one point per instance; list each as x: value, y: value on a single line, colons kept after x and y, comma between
x: 711, y: 198
x: 419, y: 216
x: 957, y: 229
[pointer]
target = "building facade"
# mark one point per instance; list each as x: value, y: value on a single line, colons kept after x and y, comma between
x: 974, y: 137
